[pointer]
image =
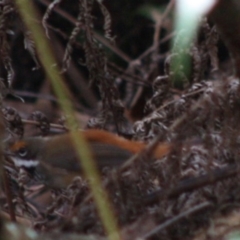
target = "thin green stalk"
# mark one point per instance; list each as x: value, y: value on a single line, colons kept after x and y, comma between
x: 29, y: 16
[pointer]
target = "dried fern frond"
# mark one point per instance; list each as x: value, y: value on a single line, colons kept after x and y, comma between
x: 6, y: 9
x: 47, y: 14
x: 74, y: 33
x: 107, y: 21
x: 30, y: 46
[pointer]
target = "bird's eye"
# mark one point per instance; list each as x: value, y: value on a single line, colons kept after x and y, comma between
x: 22, y: 152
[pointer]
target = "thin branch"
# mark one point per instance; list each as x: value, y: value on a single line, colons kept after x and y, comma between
x: 52, y: 125
x: 160, y: 22
x: 177, y: 218
x: 152, y: 48
x: 195, y: 183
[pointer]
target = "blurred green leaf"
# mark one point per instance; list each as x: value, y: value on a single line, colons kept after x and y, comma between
x: 188, y: 16
x: 234, y: 236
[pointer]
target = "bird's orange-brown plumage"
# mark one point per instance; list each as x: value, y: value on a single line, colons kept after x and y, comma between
x: 55, y: 158
x: 96, y: 135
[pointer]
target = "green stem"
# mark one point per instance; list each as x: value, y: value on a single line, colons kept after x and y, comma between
x: 29, y: 16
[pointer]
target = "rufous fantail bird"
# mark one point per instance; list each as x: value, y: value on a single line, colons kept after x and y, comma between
x: 54, y: 159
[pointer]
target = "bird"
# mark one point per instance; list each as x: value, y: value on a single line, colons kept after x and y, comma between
x: 54, y: 160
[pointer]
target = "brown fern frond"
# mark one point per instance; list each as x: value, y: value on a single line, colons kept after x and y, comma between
x: 212, y: 41
x: 6, y: 8
x: 74, y: 33
x: 30, y: 46
x: 47, y: 14
x: 107, y: 21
